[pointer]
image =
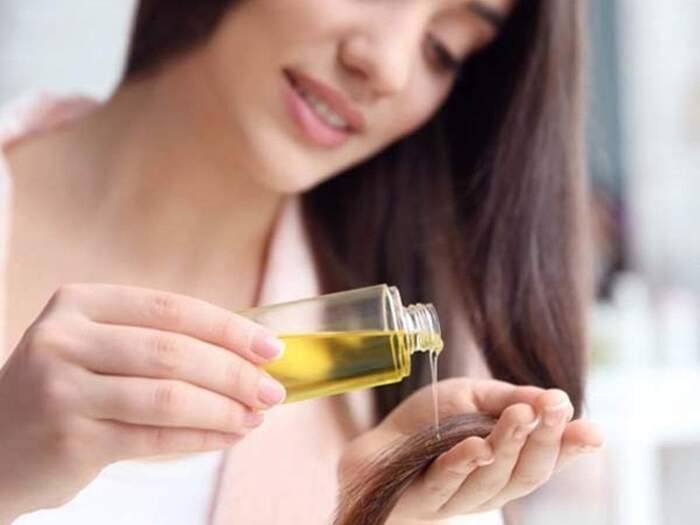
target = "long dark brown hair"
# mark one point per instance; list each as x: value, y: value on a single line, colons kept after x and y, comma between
x: 479, y: 212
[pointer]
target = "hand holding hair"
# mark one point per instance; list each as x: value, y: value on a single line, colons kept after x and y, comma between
x: 496, y: 445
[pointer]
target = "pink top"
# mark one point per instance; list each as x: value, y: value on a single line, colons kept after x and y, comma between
x: 283, y: 473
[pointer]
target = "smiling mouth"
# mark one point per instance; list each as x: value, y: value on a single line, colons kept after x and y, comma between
x: 321, y: 108
x: 328, y: 104
x: 322, y: 115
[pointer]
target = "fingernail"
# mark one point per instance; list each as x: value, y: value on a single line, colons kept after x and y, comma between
x: 270, y: 392
x: 253, y: 419
x: 269, y: 347
x: 523, y: 430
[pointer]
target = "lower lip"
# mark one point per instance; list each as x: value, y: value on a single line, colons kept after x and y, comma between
x: 311, y: 125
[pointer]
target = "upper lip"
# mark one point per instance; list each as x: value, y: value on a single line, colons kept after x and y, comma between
x: 335, y: 100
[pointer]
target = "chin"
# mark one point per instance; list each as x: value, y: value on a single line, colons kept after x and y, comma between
x: 291, y: 184
x: 285, y: 167
x: 288, y: 177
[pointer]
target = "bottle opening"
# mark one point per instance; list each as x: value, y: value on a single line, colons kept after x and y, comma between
x: 421, y: 323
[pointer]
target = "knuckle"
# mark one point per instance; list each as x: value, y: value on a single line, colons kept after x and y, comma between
x: 161, y: 440
x: 233, y: 420
x: 47, y: 335
x: 234, y: 374
x: 65, y: 294
x: 239, y: 334
x: 205, y: 439
x: 245, y: 379
x: 166, y: 397
x: 436, y: 490
x: 224, y: 329
x: 120, y: 403
x: 54, y: 393
x: 165, y: 309
x: 248, y: 332
x: 486, y: 486
x: 167, y: 354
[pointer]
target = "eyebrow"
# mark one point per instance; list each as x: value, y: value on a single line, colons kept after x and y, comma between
x: 486, y: 13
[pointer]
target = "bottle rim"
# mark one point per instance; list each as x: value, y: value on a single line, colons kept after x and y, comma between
x: 395, y: 306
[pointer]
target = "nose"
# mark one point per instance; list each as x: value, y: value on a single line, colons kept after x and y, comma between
x: 381, y: 58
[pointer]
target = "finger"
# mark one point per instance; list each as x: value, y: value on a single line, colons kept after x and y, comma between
x: 581, y: 438
x: 459, y: 395
x: 124, y: 441
x: 447, y: 473
x: 539, y: 454
x: 487, y: 481
x: 146, y: 352
x: 493, y: 396
x: 165, y: 403
x: 127, y: 305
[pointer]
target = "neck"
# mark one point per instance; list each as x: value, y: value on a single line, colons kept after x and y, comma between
x: 169, y: 190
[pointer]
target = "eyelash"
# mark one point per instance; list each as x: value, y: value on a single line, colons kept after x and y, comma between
x: 444, y: 58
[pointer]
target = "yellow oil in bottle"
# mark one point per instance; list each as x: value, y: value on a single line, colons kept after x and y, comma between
x: 327, y: 363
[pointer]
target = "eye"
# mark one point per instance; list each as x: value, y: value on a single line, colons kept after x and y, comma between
x: 442, y: 57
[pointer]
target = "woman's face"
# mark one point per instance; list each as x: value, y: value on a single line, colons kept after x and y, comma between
x: 312, y: 87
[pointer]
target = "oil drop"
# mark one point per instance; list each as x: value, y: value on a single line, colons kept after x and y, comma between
x: 434, y: 354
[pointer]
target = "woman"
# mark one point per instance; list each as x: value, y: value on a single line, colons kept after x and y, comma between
x: 270, y: 149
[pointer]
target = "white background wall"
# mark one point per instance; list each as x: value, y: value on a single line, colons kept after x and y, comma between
x: 661, y: 124
x: 62, y: 45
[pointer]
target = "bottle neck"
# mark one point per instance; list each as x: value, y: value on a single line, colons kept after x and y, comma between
x: 420, y: 322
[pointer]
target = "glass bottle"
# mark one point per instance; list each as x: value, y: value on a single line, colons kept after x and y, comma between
x: 347, y: 340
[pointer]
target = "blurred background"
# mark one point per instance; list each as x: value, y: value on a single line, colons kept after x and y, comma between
x: 644, y: 161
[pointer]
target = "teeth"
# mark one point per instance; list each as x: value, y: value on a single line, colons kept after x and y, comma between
x: 323, y: 110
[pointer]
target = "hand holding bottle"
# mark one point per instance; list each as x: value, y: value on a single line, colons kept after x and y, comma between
x: 111, y: 372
